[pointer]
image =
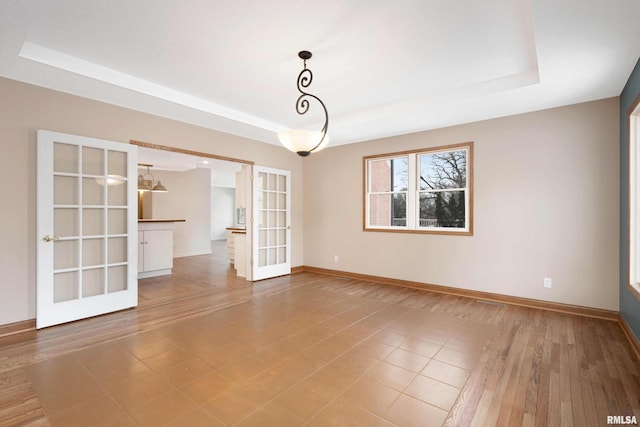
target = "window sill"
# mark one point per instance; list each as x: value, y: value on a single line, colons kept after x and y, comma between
x: 414, y: 231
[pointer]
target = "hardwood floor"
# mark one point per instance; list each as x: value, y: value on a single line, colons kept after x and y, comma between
x: 307, y: 349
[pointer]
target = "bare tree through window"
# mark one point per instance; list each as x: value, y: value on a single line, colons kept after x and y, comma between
x: 443, y: 180
x: 421, y: 191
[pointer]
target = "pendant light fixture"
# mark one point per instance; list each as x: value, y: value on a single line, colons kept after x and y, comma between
x: 146, y: 182
x: 305, y: 142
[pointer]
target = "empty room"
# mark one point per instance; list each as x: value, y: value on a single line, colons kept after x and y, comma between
x: 419, y: 213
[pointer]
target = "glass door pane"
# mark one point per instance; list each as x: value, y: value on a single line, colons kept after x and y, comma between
x: 272, y: 209
x: 65, y: 158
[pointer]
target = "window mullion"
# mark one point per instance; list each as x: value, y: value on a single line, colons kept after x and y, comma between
x: 412, y: 193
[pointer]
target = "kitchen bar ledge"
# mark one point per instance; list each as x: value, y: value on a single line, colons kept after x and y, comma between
x: 160, y: 220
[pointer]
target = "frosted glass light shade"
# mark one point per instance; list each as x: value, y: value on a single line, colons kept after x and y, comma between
x: 111, y: 180
x: 302, y: 141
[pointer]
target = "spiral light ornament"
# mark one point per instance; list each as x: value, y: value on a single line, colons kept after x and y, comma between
x: 305, y: 142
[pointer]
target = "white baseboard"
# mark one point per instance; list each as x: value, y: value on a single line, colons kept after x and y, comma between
x: 155, y: 273
x: 192, y: 253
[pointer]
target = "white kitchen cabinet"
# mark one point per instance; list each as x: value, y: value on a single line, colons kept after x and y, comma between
x: 231, y: 242
x: 230, y: 245
x: 155, y: 249
x: 240, y: 251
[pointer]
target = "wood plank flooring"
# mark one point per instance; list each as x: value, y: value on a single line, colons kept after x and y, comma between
x: 533, y: 367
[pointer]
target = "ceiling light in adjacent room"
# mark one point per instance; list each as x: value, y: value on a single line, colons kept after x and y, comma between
x: 146, y: 182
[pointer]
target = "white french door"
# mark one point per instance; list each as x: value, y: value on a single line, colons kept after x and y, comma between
x: 86, y: 228
x: 271, y: 223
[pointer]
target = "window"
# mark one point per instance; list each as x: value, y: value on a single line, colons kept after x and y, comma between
x: 423, y: 191
x: 634, y: 199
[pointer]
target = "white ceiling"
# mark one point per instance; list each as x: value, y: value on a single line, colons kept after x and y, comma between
x: 382, y: 68
x: 223, y: 173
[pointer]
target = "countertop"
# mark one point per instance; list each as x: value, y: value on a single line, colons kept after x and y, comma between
x: 237, y: 230
x: 161, y: 220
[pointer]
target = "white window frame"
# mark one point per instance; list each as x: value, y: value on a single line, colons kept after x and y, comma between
x: 634, y: 198
x: 413, y: 192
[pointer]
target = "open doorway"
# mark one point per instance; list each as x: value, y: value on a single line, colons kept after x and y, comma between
x: 205, y: 195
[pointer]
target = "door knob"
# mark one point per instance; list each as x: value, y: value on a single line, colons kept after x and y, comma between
x: 48, y: 238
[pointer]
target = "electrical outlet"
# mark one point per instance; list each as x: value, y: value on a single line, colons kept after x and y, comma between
x: 335, y: 258
x: 547, y: 282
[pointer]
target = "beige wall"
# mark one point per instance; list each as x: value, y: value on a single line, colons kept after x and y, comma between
x: 25, y: 108
x: 546, y: 205
x: 223, y: 211
x: 546, y: 198
x: 188, y: 198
